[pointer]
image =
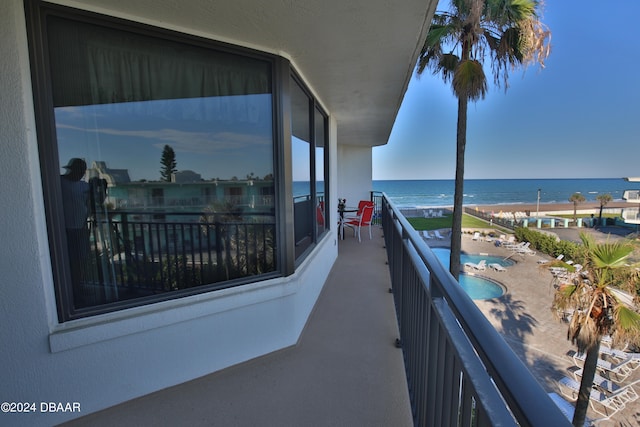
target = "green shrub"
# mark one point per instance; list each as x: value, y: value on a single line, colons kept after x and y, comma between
x: 548, y: 244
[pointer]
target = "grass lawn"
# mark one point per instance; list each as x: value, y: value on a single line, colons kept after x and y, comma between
x: 468, y: 221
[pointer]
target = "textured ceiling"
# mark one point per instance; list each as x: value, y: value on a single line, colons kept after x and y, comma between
x: 357, y: 55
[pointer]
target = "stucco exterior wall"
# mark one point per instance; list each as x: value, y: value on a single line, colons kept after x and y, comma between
x: 104, y: 360
x: 354, y: 173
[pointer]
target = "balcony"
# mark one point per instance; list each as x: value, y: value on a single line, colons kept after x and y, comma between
x: 631, y: 215
x: 631, y: 196
x: 348, y: 368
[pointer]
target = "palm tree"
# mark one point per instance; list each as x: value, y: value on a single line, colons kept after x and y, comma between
x: 604, y: 199
x: 576, y: 198
x: 506, y: 33
x: 597, y: 312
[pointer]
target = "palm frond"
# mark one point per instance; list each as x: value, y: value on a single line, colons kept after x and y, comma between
x: 503, y: 12
x: 611, y: 255
x: 469, y: 81
x: 627, y: 323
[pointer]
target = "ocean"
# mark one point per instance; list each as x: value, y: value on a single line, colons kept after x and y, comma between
x: 435, y: 193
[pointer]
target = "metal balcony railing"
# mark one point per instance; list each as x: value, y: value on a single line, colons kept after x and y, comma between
x: 632, y: 196
x: 141, y: 253
x: 460, y: 371
x: 631, y: 215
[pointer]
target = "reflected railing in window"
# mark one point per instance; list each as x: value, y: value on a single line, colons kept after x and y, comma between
x: 134, y: 254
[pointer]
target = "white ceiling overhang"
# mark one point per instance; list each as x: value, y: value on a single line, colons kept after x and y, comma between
x: 357, y: 55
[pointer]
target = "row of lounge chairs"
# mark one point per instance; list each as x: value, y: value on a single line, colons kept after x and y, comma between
x: 436, y: 235
x: 510, y: 215
x: 431, y: 213
x: 609, y: 394
x: 482, y: 265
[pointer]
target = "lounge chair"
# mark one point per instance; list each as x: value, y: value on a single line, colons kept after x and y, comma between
x: 621, y: 369
x: 606, y: 404
x: 621, y: 356
x: 427, y: 235
x: 545, y: 261
x: 567, y: 408
x: 513, y: 246
x: 506, y: 242
x: 481, y: 265
x: 497, y: 267
x: 438, y: 235
x: 524, y: 249
x: 476, y: 236
x: 599, y: 381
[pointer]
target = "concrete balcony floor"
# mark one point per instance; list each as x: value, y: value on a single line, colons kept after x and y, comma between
x: 344, y: 371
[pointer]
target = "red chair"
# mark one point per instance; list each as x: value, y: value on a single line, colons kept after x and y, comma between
x: 364, y: 220
x: 320, y: 214
x: 361, y: 204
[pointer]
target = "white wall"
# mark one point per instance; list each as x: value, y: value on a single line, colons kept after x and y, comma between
x: 354, y: 173
x: 107, y: 359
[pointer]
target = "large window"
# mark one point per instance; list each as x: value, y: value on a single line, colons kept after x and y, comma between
x: 308, y: 124
x: 158, y: 162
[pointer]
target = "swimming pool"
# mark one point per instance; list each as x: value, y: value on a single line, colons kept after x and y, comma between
x: 480, y: 287
x: 475, y: 286
x: 443, y: 256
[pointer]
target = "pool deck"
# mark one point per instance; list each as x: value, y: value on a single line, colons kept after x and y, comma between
x: 524, y: 318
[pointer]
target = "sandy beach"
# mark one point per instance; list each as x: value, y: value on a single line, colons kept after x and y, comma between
x: 550, y: 207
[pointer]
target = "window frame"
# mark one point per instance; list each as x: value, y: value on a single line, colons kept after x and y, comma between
x: 37, y: 13
x: 313, y: 107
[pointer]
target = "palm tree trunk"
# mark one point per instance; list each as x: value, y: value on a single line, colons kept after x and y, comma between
x: 588, y: 372
x: 456, y: 226
x: 600, y: 216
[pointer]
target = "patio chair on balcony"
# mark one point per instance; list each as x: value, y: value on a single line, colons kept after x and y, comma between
x: 364, y: 220
x: 361, y: 205
x: 320, y: 214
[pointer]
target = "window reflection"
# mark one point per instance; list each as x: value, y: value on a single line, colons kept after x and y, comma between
x: 321, y: 182
x: 303, y: 203
x: 177, y: 145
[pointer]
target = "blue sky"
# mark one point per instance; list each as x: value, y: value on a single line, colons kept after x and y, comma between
x: 577, y: 118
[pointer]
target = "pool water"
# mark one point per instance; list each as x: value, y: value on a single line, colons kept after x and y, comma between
x: 443, y: 256
x: 479, y: 287
x: 475, y: 286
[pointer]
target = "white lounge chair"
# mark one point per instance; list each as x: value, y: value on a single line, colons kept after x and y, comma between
x: 621, y: 369
x: 427, y: 235
x: 598, y: 381
x: 497, y: 267
x: 621, y: 356
x: 438, y: 235
x: 567, y: 408
x: 545, y: 261
x: 525, y: 250
x: 507, y: 242
x: 481, y: 265
x: 476, y: 236
x: 514, y: 246
x: 606, y: 404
